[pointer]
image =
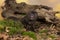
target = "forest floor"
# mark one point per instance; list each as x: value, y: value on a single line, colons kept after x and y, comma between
x: 9, y: 32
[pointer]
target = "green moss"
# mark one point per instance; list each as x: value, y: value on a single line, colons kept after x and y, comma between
x: 43, y: 31
x: 14, y: 30
x: 30, y: 34
x: 52, y: 36
x: 14, y: 26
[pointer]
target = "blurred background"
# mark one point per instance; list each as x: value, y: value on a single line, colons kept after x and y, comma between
x: 55, y: 4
